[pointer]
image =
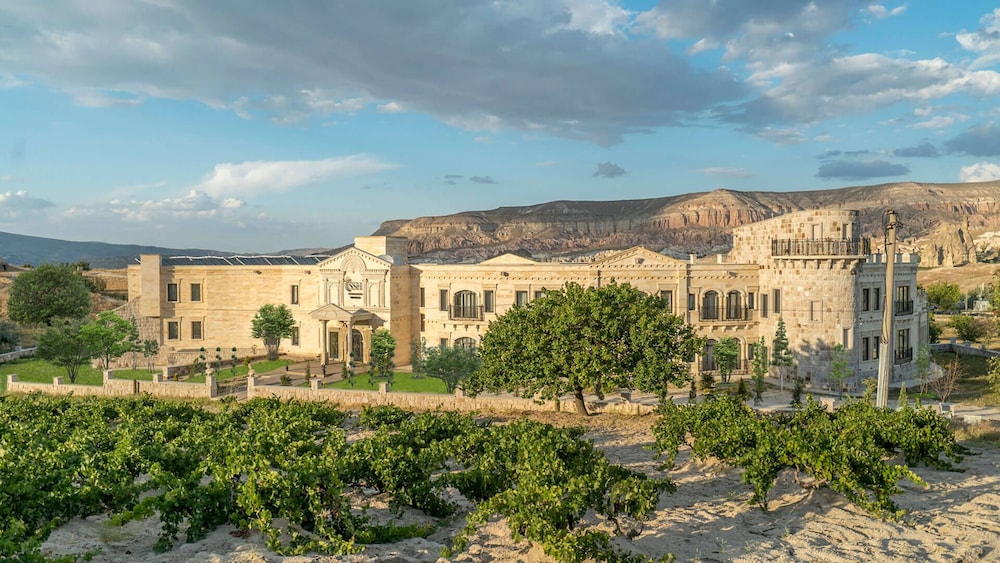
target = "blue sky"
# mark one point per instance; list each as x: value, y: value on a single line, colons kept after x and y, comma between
x: 258, y: 126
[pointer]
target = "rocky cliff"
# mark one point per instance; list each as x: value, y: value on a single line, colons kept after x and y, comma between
x: 940, y: 221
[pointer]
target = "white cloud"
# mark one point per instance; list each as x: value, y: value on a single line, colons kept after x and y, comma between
x: 881, y: 12
x: 936, y: 122
x: 985, y: 41
x: 10, y: 81
x: 390, y: 107
x: 923, y: 111
x: 15, y: 204
x: 251, y: 178
x: 979, y: 172
x: 483, y: 139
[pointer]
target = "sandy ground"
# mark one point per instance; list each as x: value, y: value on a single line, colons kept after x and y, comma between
x: 957, y: 518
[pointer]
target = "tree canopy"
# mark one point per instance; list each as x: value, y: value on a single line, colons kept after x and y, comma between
x: 381, y: 353
x: 62, y: 345
x: 944, y: 295
x: 451, y: 364
x: 109, y: 336
x: 271, y: 324
x: 10, y: 335
x: 48, y: 292
x: 576, y: 339
x: 727, y: 354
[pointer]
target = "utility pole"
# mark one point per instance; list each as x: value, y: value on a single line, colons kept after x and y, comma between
x: 885, y: 359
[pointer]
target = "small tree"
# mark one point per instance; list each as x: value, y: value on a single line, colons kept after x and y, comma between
x: 945, y: 384
x: 382, y: 350
x: 781, y: 355
x: 108, y: 336
x: 798, y: 386
x: 923, y: 366
x: 62, y: 345
x: 48, y: 292
x: 760, y: 365
x: 727, y: 354
x: 271, y: 324
x: 993, y: 374
x: 452, y: 365
x: 972, y: 329
x: 150, y: 350
x: 839, y: 370
x: 10, y: 335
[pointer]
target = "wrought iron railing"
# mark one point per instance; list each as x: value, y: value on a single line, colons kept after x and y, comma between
x: 723, y: 314
x: 904, y: 355
x: 465, y: 313
x: 904, y: 307
x: 820, y: 247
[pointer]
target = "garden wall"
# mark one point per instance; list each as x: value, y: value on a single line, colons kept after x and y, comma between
x: 112, y: 387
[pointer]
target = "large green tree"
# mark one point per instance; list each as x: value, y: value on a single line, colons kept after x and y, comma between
x: 48, y: 292
x: 945, y: 295
x: 63, y: 345
x: 760, y: 365
x: 451, y: 364
x: 109, y: 336
x: 271, y: 324
x: 577, y: 339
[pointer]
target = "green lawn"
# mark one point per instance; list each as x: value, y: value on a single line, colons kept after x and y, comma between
x: 225, y: 373
x: 402, y: 383
x: 39, y: 371
x: 974, y: 386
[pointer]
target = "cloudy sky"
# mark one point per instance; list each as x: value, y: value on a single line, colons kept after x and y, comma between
x: 254, y: 125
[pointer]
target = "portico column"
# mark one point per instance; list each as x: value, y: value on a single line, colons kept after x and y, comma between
x: 324, y: 337
x: 349, y: 349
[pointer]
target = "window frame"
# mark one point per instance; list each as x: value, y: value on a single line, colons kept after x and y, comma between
x: 198, y: 334
x: 294, y: 297
x: 195, y: 290
x: 173, y: 330
x: 173, y: 293
x: 296, y: 336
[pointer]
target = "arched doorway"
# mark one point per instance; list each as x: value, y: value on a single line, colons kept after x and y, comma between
x: 357, y: 346
x: 710, y: 306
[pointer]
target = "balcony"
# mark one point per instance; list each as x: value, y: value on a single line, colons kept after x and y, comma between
x: 820, y: 247
x: 903, y: 356
x: 725, y: 314
x: 465, y: 313
x: 904, y: 307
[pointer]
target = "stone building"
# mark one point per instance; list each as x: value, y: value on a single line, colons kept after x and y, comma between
x: 810, y: 268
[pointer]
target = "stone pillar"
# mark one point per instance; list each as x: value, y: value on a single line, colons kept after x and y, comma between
x: 324, y: 344
x: 11, y: 380
x: 107, y: 376
x: 57, y: 381
x: 314, y: 384
x: 383, y: 387
x: 213, y: 386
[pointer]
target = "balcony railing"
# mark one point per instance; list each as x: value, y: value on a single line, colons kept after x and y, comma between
x: 820, y: 247
x: 465, y: 313
x: 904, y: 307
x: 724, y: 314
x: 903, y: 356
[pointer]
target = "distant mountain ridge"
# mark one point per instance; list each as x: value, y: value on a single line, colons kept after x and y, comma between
x: 939, y: 221
x: 22, y: 249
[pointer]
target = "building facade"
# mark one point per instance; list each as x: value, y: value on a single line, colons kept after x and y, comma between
x: 810, y: 268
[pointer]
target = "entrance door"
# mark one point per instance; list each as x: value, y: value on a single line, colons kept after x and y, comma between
x: 357, y: 346
x: 333, y: 345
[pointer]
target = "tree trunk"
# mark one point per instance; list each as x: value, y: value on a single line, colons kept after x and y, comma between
x: 581, y: 407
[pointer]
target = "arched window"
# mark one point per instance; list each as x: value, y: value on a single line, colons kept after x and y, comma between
x: 710, y: 306
x: 734, y: 308
x: 708, y: 356
x: 465, y: 342
x: 466, y: 306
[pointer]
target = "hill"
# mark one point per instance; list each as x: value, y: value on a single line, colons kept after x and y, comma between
x: 940, y: 221
x: 21, y: 249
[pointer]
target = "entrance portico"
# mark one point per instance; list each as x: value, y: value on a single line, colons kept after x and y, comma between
x: 345, y: 334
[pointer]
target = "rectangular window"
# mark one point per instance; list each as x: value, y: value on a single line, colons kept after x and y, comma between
x: 866, y: 352
x: 196, y: 330
x: 866, y: 303
x: 443, y: 297
x: 876, y: 347
x: 443, y: 342
x: 195, y: 292
x: 173, y: 330
x: 877, y: 299
x: 691, y: 301
x: 422, y: 302
x: 295, y: 336
x: 521, y: 298
x: 539, y: 294
x: 816, y: 311
x: 295, y: 295
x: 488, y: 301
x: 750, y: 301
x: 172, y: 292
x: 763, y: 305
x: 668, y: 299
x: 776, y: 302
x: 903, y: 339
x: 423, y: 323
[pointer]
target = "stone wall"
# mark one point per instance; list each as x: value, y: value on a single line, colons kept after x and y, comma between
x: 112, y: 387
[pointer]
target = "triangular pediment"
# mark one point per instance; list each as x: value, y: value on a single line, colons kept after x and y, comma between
x: 638, y: 256
x: 355, y: 258
x: 508, y: 259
